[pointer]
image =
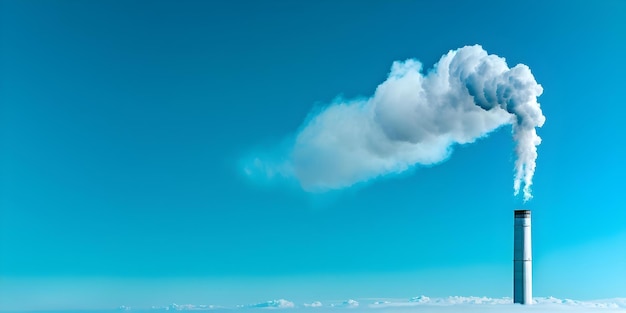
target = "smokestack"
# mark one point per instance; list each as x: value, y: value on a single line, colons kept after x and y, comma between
x: 522, y: 259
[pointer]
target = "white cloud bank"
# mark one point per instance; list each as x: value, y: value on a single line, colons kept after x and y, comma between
x: 277, y: 304
x: 423, y: 304
x: 350, y: 303
x: 315, y: 304
x: 415, y: 118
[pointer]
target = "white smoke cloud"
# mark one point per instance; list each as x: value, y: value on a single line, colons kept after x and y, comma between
x: 415, y: 118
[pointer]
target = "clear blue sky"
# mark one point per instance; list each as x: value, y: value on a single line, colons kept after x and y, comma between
x: 123, y: 125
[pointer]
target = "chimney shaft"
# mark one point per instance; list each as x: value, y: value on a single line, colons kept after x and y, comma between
x: 522, y: 259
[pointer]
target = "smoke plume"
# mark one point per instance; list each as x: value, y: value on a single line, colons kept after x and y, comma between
x: 415, y: 118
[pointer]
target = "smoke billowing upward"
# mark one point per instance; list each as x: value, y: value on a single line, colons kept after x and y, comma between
x: 415, y: 118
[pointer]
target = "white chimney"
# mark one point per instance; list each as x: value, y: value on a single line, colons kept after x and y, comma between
x: 522, y: 259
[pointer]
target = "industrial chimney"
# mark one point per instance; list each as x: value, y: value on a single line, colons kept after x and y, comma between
x: 522, y: 259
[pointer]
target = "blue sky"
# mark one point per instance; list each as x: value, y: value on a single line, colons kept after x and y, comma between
x: 123, y: 126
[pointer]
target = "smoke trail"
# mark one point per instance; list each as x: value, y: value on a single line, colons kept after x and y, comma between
x: 415, y: 118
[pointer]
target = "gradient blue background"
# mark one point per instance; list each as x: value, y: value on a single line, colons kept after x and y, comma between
x: 123, y: 125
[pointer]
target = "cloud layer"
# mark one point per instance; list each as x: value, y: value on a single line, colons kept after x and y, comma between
x: 421, y: 304
x: 415, y: 118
